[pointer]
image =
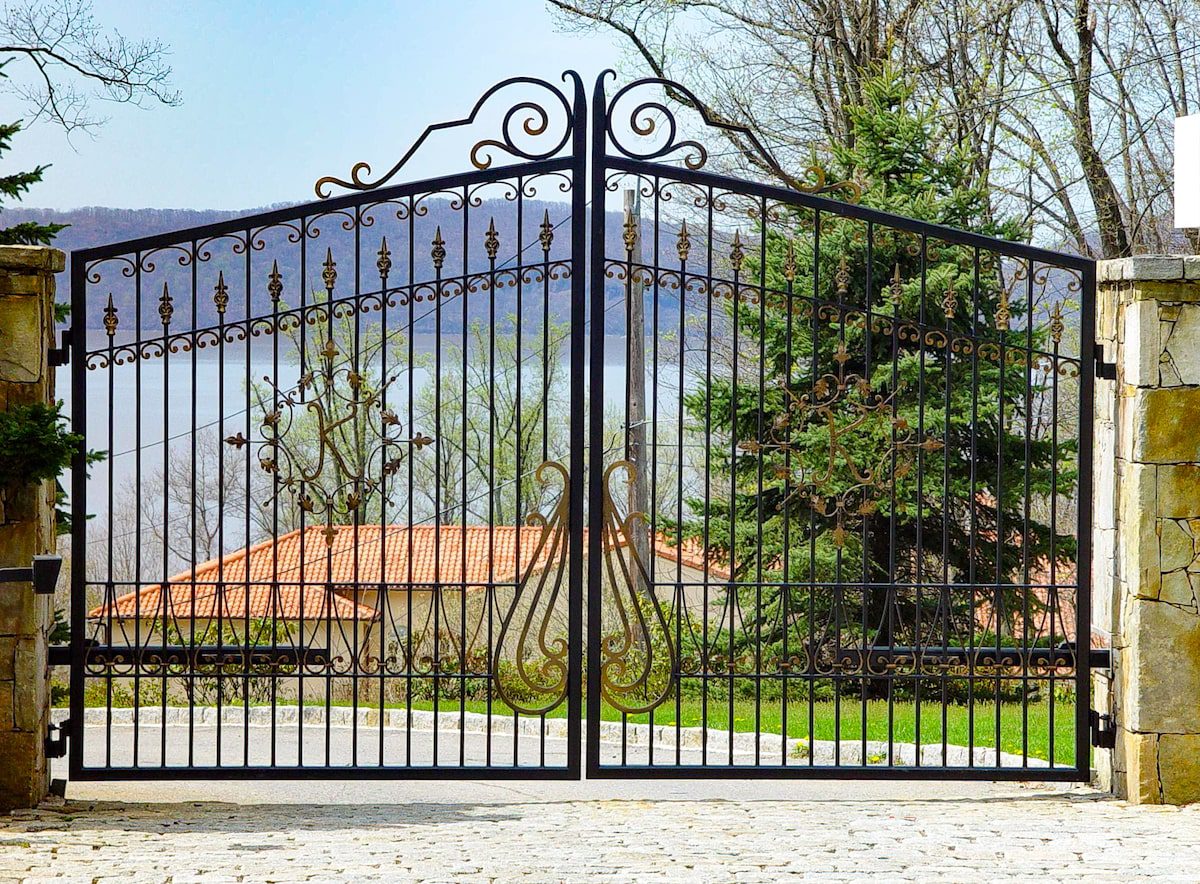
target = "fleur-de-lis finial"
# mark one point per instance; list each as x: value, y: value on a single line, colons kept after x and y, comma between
x: 896, y: 288
x: 1002, y: 312
x: 329, y: 274
x: 438, y: 252
x: 1057, y: 326
x: 165, y: 307
x: 221, y: 293
x: 491, y: 242
x: 950, y: 302
x: 789, y: 262
x: 630, y: 232
x: 110, y: 317
x: 384, y: 262
x: 683, y: 243
x: 275, y: 283
x: 546, y: 235
x: 842, y: 277
x: 736, y: 253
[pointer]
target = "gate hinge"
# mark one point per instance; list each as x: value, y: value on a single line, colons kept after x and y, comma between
x: 1103, y: 728
x: 61, y: 355
x: 1106, y: 371
x: 56, y: 742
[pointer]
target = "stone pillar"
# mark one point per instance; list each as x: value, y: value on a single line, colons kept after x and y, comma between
x: 1147, y: 526
x: 26, y: 528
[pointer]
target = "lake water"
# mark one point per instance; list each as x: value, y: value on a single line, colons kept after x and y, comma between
x: 190, y: 395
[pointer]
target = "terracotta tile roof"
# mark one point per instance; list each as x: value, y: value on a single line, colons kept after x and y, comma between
x: 375, y: 554
x: 265, y: 602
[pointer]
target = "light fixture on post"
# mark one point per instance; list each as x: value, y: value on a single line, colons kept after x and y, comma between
x: 42, y: 573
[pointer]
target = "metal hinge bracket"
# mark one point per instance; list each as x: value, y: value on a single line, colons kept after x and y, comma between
x: 56, y: 742
x: 1104, y: 730
x: 61, y: 355
x: 1106, y: 371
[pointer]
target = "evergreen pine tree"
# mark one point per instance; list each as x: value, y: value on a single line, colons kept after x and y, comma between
x: 854, y: 462
x: 14, y: 187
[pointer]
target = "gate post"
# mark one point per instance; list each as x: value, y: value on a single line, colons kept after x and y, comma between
x: 1146, y: 533
x: 26, y: 528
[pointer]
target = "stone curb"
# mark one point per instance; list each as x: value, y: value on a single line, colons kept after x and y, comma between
x: 824, y: 752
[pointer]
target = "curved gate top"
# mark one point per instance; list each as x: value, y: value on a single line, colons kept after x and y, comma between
x: 586, y: 454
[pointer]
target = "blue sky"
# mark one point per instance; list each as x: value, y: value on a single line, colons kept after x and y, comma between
x: 276, y: 94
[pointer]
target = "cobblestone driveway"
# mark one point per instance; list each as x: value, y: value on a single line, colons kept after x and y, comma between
x: 667, y: 831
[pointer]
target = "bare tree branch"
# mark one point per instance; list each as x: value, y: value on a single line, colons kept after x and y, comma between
x: 62, y: 60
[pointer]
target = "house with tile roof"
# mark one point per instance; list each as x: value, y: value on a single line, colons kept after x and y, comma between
x: 371, y: 593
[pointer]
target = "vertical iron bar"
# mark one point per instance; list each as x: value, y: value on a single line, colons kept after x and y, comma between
x: 599, y: 116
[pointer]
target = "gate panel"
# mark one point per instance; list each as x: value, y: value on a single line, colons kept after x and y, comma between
x: 339, y: 529
x: 837, y: 528
x: 833, y: 520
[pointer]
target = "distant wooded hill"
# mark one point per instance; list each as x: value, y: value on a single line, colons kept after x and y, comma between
x: 95, y: 226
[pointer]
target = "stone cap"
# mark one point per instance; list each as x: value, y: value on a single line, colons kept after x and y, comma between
x: 32, y: 258
x: 1147, y: 268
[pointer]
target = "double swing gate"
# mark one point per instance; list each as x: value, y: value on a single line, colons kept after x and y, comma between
x: 588, y: 455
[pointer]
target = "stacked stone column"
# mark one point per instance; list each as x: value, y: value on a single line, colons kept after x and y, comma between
x: 26, y: 527
x: 1147, y: 526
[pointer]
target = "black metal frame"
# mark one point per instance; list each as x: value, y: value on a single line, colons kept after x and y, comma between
x: 648, y: 151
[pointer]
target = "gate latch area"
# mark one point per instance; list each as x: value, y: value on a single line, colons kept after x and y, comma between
x: 56, y: 742
x: 1106, y: 371
x: 1103, y: 728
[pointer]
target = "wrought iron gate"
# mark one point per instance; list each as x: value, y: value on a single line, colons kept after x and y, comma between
x: 833, y: 456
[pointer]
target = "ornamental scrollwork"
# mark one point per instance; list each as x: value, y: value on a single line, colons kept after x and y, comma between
x: 529, y: 130
x: 654, y: 133
x: 528, y: 641
x: 845, y: 479
x: 315, y: 465
x: 637, y: 657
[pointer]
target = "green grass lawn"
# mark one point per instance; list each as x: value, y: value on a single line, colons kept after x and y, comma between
x: 1019, y: 727
x: 1023, y: 729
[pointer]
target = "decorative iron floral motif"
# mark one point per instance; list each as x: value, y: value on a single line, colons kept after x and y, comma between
x: 323, y: 477
x: 844, y: 482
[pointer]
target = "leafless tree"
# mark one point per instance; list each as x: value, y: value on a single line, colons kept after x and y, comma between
x: 70, y: 60
x: 1065, y: 106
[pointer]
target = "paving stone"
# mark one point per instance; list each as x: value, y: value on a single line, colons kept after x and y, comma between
x: 535, y: 836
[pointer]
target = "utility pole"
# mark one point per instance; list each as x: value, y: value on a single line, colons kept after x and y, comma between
x: 635, y: 384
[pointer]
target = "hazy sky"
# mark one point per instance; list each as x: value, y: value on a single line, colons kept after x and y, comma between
x: 277, y: 94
